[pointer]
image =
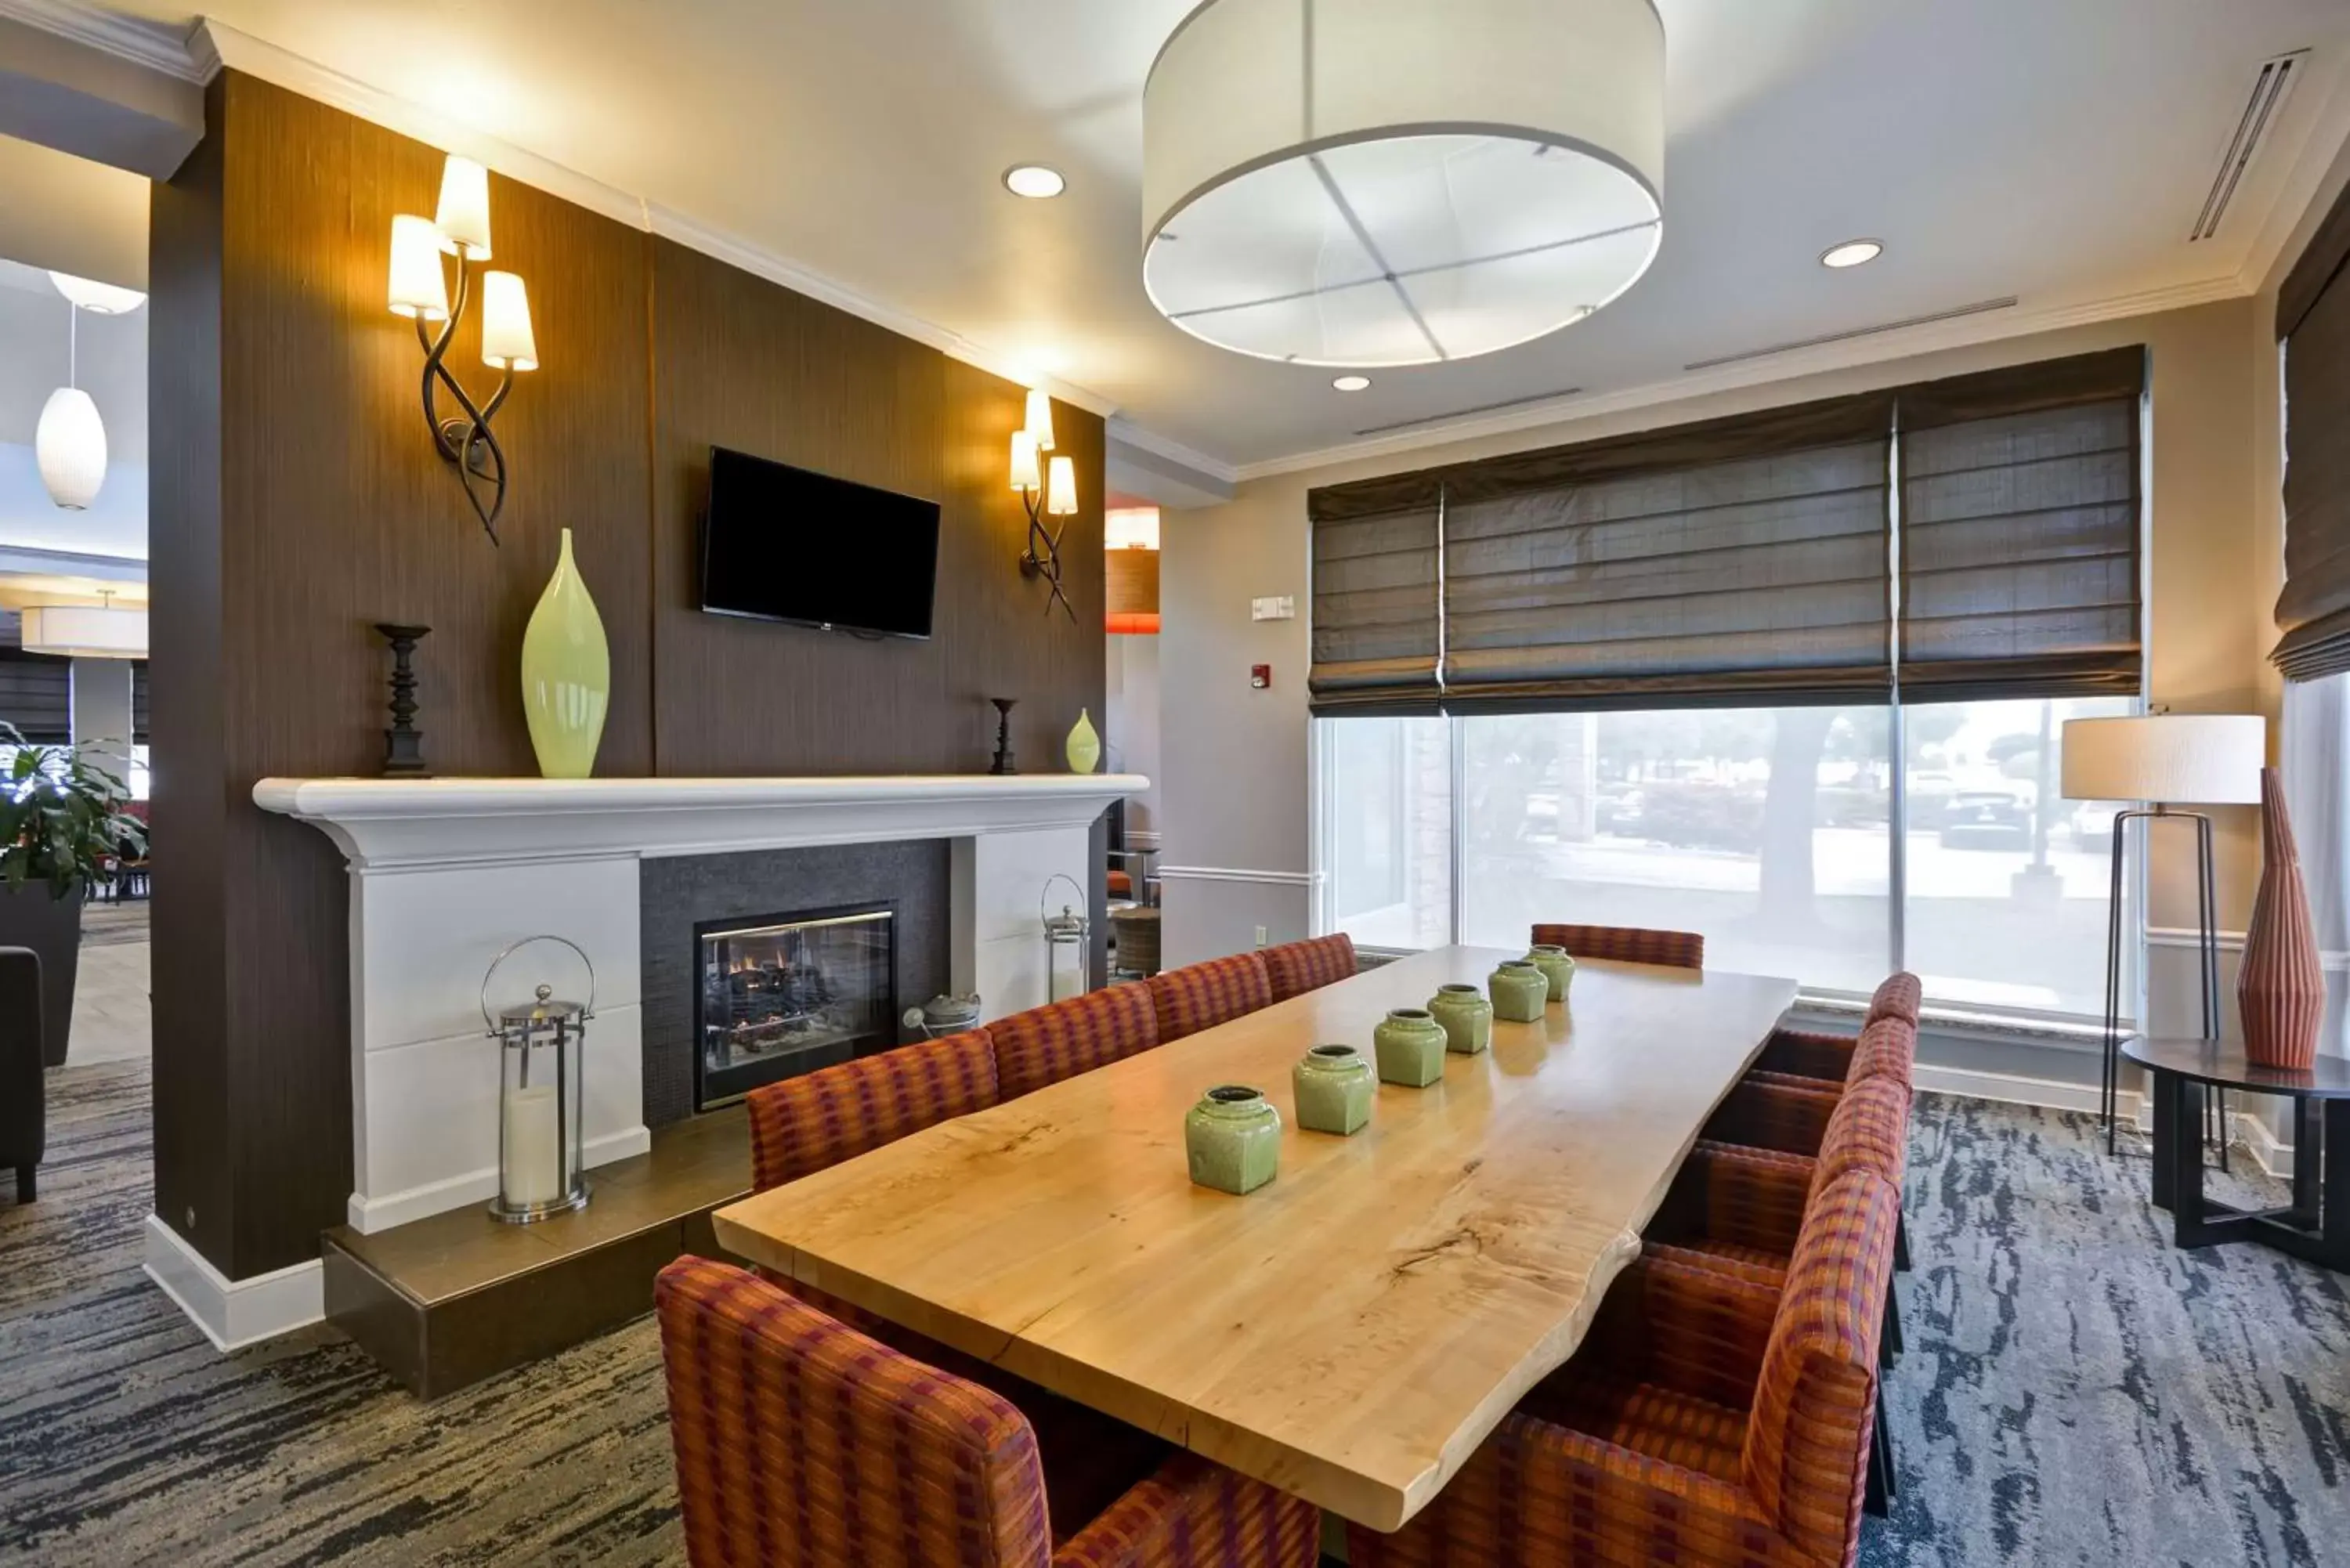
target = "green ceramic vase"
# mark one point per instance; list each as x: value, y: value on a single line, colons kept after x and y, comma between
x: 567, y: 674
x: 1466, y: 1016
x: 1085, y: 744
x: 1520, y: 992
x: 1335, y: 1086
x: 1556, y: 967
x: 1410, y: 1046
x: 1233, y: 1139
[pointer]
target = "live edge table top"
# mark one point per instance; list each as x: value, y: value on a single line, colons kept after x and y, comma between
x: 1348, y: 1333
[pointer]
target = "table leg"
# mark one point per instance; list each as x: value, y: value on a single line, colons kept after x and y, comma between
x: 2334, y: 1236
x: 2184, y: 1097
x: 2308, y: 1140
x: 2166, y: 1134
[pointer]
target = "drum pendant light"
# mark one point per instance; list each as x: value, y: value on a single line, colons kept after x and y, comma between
x: 1371, y: 182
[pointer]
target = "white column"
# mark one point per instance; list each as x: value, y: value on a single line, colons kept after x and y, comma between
x: 101, y: 713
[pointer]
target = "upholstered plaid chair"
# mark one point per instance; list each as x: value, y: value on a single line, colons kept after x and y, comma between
x: 1203, y: 995
x: 1805, y: 1053
x: 1625, y: 944
x: 1295, y: 968
x: 801, y: 1442
x: 1047, y: 1044
x: 820, y: 1119
x: 1707, y: 1420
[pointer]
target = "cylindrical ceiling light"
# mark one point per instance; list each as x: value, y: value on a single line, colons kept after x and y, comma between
x: 86, y: 631
x: 1365, y: 182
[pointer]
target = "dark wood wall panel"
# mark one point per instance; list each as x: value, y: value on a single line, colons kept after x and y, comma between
x: 298, y: 500
x: 741, y: 363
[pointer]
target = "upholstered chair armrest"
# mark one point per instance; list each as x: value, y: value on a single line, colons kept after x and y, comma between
x: 1189, y: 1511
x: 1557, y: 1495
x: 1774, y: 1115
x: 1806, y: 1054
x: 1748, y: 1196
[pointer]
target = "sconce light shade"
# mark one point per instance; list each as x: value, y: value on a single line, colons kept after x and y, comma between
x: 70, y: 446
x: 418, y: 288
x: 506, y: 340
x: 1040, y: 418
x: 1025, y: 475
x: 463, y: 218
x: 1061, y: 494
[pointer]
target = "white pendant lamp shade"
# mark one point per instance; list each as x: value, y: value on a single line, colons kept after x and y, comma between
x: 2171, y: 759
x: 86, y: 631
x: 70, y: 446
x: 1371, y: 182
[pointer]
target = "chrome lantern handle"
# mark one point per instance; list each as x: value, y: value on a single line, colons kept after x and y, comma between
x: 586, y: 1013
x: 1044, y: 900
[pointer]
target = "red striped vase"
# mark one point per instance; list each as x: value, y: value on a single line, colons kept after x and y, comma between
x: 2280, y: 988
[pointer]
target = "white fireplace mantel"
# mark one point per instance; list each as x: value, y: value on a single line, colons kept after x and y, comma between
x: 409, y: 823
x: 447, y: 873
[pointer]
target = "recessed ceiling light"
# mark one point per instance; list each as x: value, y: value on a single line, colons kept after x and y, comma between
x: 1851, y: 253
x: 1353, y: 383
x: 1033, y: 180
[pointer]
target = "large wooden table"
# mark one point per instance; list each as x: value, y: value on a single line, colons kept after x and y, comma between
x: 1348, y: 1333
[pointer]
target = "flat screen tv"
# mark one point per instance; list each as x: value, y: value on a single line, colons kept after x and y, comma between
x: 781, y: 543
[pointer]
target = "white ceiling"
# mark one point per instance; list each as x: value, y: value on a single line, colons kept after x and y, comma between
x: 2056, y: 150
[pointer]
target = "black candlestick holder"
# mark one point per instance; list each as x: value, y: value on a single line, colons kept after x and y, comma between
x: 1004, y: 763
x: 404, y: 744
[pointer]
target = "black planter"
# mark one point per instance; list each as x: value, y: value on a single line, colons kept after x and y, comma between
x: 30, y: 918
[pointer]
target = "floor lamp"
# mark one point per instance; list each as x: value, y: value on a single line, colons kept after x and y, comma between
x: 2168, y: 761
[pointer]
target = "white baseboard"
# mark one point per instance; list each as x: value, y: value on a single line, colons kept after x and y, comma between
x: 2007, y: 1088
x: 369, y: 1215
x: 233, y: 1313
x: 2272, y: 1154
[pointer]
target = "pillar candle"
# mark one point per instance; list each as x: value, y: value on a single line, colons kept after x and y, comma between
x: 534, y: 1146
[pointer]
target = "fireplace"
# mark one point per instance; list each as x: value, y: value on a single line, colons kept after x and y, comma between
x: 785, y: 994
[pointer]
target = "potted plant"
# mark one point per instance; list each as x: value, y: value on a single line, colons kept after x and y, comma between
x: 61, y: 828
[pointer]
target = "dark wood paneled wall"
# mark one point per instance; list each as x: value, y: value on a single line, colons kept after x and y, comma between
x: 297, y: 500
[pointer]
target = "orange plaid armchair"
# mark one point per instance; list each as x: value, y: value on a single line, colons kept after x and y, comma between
x: 1203, y: 995
x: 801, y: 1442
x: 1047, y: 1044
x: 1296, y: 968
x: 820, y: 1119
x: 1709, y: 1420
x: 1805, y: 1053
x: 1625, y: 944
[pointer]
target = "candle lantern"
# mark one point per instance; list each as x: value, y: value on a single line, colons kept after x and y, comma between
x: 1066, y: 952
x: 541, y: 1144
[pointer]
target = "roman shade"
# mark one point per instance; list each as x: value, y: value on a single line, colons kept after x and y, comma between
x: 36, y: 695
x: 2020, y: 530
x: 2314, y: 324
x: 1738, y: 562
x: 1377, y: 632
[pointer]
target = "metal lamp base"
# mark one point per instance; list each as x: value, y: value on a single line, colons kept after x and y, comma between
x: 532, y: 1213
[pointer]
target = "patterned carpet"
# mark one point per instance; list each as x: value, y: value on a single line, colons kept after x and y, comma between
x: 2075, y: 1392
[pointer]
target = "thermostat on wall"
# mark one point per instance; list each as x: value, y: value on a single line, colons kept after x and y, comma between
x: 1281, y: 607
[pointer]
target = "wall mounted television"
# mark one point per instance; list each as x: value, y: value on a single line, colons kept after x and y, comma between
x: 784, y: 544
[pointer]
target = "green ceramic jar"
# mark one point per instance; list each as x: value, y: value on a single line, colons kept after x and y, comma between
x: 1410, y: 1046
x: 1335, y: 1086
x: 1520, y: 992
x: 1466, y: 1016
x: 1233, y: 1138
x: 1556, y: 967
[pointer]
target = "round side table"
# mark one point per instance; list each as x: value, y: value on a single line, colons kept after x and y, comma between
x: 2315, y: 1226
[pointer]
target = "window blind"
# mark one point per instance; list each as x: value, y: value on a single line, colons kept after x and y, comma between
x: 1377, y: 632
x: 1737, y: 561
x: 2314, y: 323
x: 2020, y: 531
x: 36, y: 695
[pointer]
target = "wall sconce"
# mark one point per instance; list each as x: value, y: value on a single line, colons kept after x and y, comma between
x: 461, y: 227
x: 1051, y: 493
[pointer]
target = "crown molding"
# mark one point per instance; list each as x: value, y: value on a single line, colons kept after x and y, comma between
x: 227, y: 47
x: 1906, y: 343
x: 1175, y: 452
x: 151, y: 44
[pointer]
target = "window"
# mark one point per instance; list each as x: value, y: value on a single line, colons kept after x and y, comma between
x: 1771, y: 831
x: 1764, y: 830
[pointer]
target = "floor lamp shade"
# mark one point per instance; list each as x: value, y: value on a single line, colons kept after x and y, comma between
x: 2177, y: 759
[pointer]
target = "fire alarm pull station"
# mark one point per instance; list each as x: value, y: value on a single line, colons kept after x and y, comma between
x: 1261, y: 676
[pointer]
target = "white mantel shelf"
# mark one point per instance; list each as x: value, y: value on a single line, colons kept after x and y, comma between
x: 415, y: 824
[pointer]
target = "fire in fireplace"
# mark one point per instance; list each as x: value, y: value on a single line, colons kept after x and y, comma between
x: 788, y: 994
